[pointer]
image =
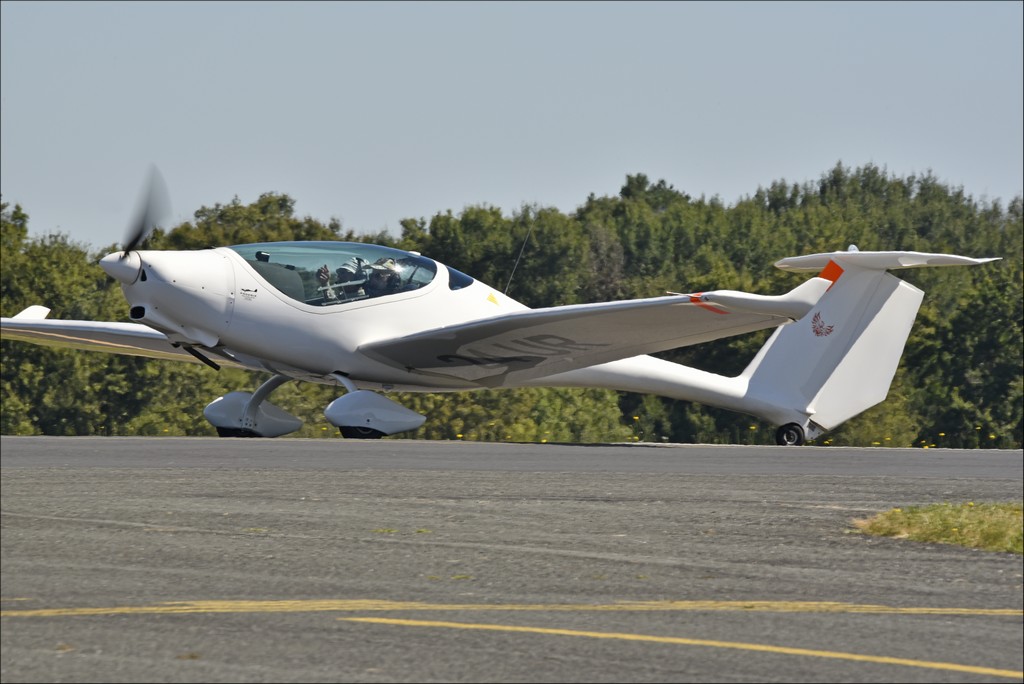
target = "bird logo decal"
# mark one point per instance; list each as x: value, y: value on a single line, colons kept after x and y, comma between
x: 819, y: 327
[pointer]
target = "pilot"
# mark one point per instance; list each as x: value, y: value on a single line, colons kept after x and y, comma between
x: 384, y: 278
x: 352, y: 271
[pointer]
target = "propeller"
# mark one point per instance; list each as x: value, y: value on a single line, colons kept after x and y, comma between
x: 153, y: 205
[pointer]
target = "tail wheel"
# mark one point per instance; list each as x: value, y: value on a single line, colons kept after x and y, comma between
x: 357, y: 432
x: 789, y: 434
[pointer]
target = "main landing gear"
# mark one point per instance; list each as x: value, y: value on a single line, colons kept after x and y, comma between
x: 359, y: 414
x: 247, y: 414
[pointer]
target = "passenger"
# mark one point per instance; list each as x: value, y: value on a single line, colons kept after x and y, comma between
x: 384, y: 278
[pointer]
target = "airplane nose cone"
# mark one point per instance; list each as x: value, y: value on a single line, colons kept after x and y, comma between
x: 124, y: 268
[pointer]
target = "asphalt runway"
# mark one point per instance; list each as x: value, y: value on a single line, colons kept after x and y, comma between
x: 208, y: 560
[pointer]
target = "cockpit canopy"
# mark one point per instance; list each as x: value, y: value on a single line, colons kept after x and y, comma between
x: 330, y: 273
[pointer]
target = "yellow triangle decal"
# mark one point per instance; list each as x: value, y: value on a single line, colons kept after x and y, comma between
x: 492, y: 299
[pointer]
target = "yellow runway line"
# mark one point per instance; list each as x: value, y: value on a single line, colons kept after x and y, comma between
x: 884, y: 660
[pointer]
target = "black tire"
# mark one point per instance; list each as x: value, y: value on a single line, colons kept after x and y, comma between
x: 790, y: 434
x: 356, y: 432
x: 236, y: 432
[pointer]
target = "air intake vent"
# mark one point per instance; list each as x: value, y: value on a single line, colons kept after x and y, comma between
x: 137, y: 312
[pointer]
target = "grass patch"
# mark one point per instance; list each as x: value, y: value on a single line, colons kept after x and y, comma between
x: 992, y: 527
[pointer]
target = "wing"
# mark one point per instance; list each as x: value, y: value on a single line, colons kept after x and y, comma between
x: 525, y: 345
x: 132, y: 339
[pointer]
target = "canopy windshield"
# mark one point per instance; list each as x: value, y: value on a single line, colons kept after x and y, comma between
x: 331, y: 273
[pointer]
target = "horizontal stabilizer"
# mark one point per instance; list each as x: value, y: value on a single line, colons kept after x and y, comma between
x: 880, y: 261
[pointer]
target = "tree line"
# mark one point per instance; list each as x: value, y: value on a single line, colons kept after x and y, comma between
x: 959, y: 384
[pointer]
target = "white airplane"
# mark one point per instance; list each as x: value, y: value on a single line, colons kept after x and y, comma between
x: 378, y: 319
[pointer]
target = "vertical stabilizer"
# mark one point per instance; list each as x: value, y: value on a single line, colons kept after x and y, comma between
x: 840, y: 358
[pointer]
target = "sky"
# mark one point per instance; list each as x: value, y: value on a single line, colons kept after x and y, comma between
x: 372, y: 112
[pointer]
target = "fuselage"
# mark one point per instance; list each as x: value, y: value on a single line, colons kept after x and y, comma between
x: 264, y: 306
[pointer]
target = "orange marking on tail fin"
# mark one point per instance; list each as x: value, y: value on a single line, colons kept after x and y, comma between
x: 832, y: 271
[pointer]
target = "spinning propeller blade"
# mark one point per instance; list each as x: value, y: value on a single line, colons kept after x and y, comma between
x: 154, y: 204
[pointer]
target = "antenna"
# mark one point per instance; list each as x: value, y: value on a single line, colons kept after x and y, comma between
x: 521, y: 250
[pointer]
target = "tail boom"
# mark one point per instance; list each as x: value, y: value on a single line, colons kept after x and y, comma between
x: 836, y: 361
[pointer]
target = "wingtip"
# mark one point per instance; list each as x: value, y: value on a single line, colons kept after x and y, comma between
x: 34, y: 312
